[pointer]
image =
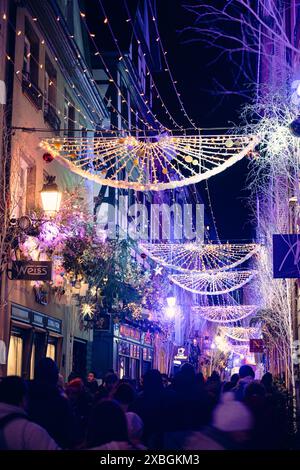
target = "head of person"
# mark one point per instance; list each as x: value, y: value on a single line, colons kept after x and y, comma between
x: 152, y: 381
x: 13, y: 391
x: 47, y: 372
x: 124, y: 394
x: 135, y: 427
x: 215, y: 376
x: 233, y: 418
x: 110, y: 381
x: 246, y: 371
x: 267, y: 380
x: 254, y: 396
x: 234, y: 379
x: 91, y: 377
x: 107, y: 423
x: 75, y: 388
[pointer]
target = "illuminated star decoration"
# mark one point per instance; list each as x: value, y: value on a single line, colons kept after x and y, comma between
x: 158, y: 270
x: 225, y: 313
x: 149, y: 163
x: 239, y: 333
x: 212, y: 283
x: 88, y: 310
x: 197, y: 257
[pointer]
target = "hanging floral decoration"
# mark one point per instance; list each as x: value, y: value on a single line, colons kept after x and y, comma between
x: 102, y: 272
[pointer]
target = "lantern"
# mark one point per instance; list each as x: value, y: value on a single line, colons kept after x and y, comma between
x: 51, y: 196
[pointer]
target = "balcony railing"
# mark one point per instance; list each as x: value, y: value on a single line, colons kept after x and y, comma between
x: 51, y: 116
x: 32, y: 91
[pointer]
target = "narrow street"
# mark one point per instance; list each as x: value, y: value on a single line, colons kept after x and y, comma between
x: 149, y: 228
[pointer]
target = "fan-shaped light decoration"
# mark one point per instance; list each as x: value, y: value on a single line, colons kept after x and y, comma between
x: 239, y: 333
x: 212, y: 283
x: 224, y: 313
x: 240, y: 349
x: 152, y: 163
x: 196, y: 257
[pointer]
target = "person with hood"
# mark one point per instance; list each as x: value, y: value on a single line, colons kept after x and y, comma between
x: 17, y: 432
x: 49, y: 407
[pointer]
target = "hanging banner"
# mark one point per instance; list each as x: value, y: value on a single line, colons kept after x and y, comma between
x: 286, y: 256
x: 256, y: 346
x: 31, y: 270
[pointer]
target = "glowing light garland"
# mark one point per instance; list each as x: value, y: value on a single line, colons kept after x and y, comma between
x: 212, y: 284
x: 239, y: 333
x: 225, y: 313
x: 195, y: 257
x: 163, y: 162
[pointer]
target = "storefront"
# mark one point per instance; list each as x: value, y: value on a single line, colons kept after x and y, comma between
x: 33, y: 335
x: 133, y: 351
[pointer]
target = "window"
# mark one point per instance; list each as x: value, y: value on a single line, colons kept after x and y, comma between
x: 50, y: 84
x: 51, y: 351
x: 69, y: 117
x: 15, y: 356
x: 31, y: 54
x: 23, y: 194
x: 27, y: 56
x: 32, y: 362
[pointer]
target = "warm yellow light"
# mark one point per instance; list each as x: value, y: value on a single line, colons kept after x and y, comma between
x: 51, y: 197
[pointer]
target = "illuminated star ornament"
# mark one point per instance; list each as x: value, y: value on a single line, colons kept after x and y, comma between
x: 239, y: 333
x: 158, y: 270
x: 212, y: 283
x: 88, y: 310
x: 224, y: 314
x: 150, y: 163
x: 197, y: 257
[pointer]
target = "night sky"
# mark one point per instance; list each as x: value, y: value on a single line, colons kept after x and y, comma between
x: 190, y: 66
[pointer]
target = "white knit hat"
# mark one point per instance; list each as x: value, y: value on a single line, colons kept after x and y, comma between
x: 231, y: 415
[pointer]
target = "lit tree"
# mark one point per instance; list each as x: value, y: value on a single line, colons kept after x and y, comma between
x: 247, y: 33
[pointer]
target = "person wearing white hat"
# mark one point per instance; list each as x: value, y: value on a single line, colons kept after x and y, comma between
x: 231, y: 427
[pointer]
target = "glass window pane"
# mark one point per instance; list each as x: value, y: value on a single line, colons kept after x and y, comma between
x: 51, y: 351
x: 15, y: 353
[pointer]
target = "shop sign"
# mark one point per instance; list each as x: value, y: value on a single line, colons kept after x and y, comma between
x: 129, y: 332
x: 286, y: 256
x: 31, y: 270
x: 256, y: 346
x: 180, y: 356
x: 147, y: 338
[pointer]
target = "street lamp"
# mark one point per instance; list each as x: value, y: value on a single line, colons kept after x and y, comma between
x: 51, y: 196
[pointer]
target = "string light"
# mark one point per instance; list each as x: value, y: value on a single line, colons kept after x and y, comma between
x: 212, y: 284
x: 164, y: 163
x: 224, y: 313
x: 195, y: 257
x: 239, y: 333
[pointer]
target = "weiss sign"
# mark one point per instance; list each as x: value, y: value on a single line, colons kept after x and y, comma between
x: 31, y: 270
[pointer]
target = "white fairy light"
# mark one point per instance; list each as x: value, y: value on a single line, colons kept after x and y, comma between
x: 165, y: 163
x: 197, y: 257
x: 212, y: 284
x: 239, y: 333
x: 224, y: 313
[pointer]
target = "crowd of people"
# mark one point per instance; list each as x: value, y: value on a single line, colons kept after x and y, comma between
x: 185, y: 412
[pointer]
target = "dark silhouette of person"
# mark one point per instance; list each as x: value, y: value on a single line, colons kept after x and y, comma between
x: 107, y: 424
x: 48, y: 407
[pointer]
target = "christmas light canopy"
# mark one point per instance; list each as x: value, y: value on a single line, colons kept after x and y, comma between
x: 198, y: 257
x: 239, y: 333
x: 151, y: 163
x: 212, y: 283
x: 224, y: 313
